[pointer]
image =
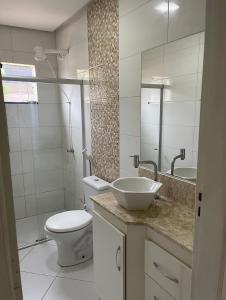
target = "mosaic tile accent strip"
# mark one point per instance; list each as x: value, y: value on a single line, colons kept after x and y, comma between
x: 103, y: 42
x: 176, y: 189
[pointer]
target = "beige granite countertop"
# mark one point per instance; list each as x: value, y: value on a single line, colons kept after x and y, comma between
x: 169, y: 218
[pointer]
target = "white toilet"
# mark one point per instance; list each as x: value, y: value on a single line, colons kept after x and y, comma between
x: 72, y: 230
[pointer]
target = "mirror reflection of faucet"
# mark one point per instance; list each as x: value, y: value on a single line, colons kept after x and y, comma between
x: 137, y: 162
x: 181, y: 156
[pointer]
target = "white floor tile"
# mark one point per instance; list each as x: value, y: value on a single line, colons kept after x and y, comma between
x: 68, y: 289
x: 81, y: 272
x: 24, y: 252
x: 41, y: 260
x: 35, y: 286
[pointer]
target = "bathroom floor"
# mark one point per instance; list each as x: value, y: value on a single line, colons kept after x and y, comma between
x: 43, y: 279
x: 41, y: 276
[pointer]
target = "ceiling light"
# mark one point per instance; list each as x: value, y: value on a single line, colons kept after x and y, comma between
x: 163, y: 7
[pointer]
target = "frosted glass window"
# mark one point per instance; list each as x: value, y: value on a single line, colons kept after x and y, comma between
x: 19, y: 91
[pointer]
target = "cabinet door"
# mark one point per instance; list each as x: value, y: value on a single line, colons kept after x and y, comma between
x: 154, y: 292
x: 109, y: 260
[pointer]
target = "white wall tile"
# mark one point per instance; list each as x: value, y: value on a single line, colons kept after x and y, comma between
x: 48, y: 93
x: 30, y: 183
x: 19, y: 207
x: 179, y: 113
x: 16, y: 163
x: 49, y: 180
x: 48, y: 159
x: 126, y: 6
x: 129, y: 145
x: 196, y: 139
x: 25, y: 39
x: 187, y: 20
x: 26, y: 139
x: 12, y: 115
x: 130, y: 76
x: 181, y: 88
x: 181, y: 62
x: 153, y: 65
x: 28, y: 115
x: 18, y: 185
x: 28, y: 161
x: 130, y: 116
x: 142, y: 29
x: 14, y: 139
x: 6, y: 55
x: 47, y: 137
x: 5, y: 38
x: 195, y: 159
x: 49, y: 115
x: 177, y: 136
x: 44, y: 202
x: 199, y: 87
x: 197, y: 113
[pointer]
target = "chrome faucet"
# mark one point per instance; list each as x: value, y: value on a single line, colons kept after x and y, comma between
x: 137, y: 162
x: 181, y: 156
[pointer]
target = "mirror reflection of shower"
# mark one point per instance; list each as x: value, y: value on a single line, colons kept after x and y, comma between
x: 41, y: 54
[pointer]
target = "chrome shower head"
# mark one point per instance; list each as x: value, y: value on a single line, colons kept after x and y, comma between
x: 40, y: 54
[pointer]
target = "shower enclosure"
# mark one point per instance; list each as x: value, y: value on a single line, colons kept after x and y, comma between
x: 47, y: 136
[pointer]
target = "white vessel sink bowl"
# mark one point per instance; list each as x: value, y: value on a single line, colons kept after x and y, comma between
x: 186, y: 173
x: 135, y: 193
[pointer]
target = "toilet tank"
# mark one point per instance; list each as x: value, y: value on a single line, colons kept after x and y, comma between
x: 93, y: 185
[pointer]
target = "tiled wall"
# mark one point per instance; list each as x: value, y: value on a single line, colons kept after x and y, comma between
x: 104, y: 98
x: 35, y: 133
x: 143, y: 26
x: 178, y: 65
x: 73, y: 36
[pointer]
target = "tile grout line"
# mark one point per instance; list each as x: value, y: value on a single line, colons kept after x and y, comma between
x: 46, y: 292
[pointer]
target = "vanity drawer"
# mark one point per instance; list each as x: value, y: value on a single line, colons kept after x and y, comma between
x: 154, y: 292
x: 172, y: 275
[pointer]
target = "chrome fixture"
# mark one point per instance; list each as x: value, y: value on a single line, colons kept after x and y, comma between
x: 40, y: 54
x: 137, y: 162
x: 181, y: 156
x: 71, y: 150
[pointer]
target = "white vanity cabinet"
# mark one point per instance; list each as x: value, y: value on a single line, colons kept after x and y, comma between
x: 172, y: 277
x: 109, y: 260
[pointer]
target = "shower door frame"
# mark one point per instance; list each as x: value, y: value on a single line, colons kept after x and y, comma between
x: 58, y: 81
x: 161, y: 88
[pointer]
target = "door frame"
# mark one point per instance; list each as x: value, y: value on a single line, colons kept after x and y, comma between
x: 210, y: 214
x: 10, y: 282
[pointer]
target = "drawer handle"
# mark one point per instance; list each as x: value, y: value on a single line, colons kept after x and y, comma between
x: 156, y: 298
x: 165, y: 274
x: 118, y: 265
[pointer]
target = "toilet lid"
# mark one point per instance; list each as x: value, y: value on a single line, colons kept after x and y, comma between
x: 69, y: 221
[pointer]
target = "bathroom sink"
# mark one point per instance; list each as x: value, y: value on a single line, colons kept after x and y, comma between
x: 186, y: 173
x: 135, y: 193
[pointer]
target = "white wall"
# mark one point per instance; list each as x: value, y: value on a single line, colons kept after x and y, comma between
x: 73, y: 35
x: 141, y: 27
x: 35, y: 133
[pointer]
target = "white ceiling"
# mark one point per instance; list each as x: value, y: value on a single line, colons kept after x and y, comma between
x: 38, y: 14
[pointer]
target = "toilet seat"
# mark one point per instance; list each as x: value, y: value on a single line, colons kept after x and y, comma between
x: 68, y: 221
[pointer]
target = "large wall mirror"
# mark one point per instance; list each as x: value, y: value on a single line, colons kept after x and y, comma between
x: 170, y: 105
